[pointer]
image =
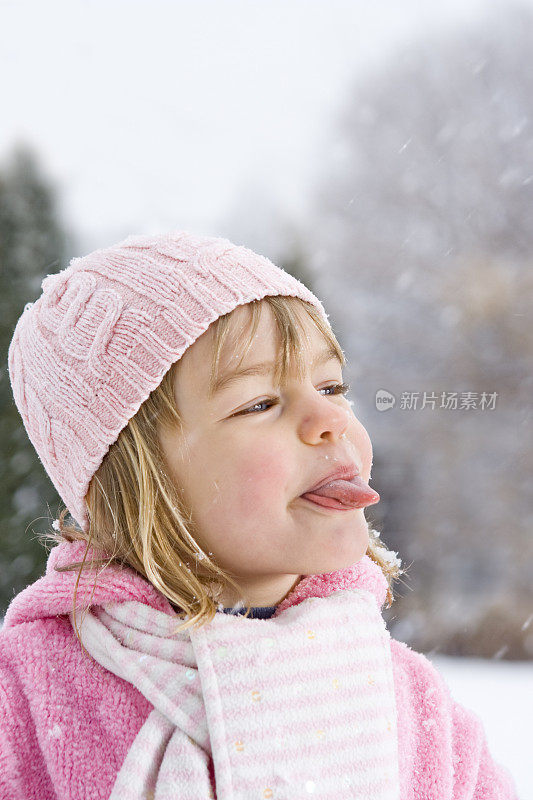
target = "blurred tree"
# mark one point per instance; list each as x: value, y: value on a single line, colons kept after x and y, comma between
x: 421, y: 244
x: 32, y: 245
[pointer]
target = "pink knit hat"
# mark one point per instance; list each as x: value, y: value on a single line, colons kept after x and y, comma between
x: 100, y: 338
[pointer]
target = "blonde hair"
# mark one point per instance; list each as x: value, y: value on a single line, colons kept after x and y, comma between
x: 137, y: 516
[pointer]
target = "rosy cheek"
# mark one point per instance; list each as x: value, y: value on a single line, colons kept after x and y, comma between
x: 260, y: 479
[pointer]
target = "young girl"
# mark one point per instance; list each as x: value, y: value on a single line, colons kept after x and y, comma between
x: 212, y: 627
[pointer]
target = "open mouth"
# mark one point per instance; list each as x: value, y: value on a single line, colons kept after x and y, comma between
x: 326, y: 502
x: 343, y: 495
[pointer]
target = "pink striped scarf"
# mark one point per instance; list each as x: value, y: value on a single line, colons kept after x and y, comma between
x: 295, y: 706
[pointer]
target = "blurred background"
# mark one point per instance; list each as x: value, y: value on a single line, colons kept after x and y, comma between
x: 381, y: 152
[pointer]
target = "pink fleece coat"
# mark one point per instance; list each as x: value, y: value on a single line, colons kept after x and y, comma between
x: 67, y: 723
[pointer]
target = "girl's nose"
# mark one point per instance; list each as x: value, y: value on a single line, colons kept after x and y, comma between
x: 323, y: 419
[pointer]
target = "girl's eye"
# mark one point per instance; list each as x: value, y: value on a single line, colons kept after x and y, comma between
x: 337, y: 388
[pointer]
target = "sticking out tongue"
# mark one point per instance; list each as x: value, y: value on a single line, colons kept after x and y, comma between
x: 354, y: 493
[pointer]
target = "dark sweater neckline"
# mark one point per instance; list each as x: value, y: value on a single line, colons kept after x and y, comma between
x: 257, y: 612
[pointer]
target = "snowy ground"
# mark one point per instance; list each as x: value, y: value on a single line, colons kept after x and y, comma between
x: 501, y: 694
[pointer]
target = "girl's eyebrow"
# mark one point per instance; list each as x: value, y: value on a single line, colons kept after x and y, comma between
x: 265, y: 367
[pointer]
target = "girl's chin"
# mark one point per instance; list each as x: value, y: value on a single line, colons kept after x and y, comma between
x: 342, y: 546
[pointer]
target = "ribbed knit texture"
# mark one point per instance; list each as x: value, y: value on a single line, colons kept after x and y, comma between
x: 67, y: 723
x: 100, y: 338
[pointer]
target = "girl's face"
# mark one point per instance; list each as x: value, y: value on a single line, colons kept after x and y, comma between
x: 242, y: 464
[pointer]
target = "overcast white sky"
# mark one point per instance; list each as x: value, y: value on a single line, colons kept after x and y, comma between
x: 153, y: 114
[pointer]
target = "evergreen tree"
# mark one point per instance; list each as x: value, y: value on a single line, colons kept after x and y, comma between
x: 32, y: 245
